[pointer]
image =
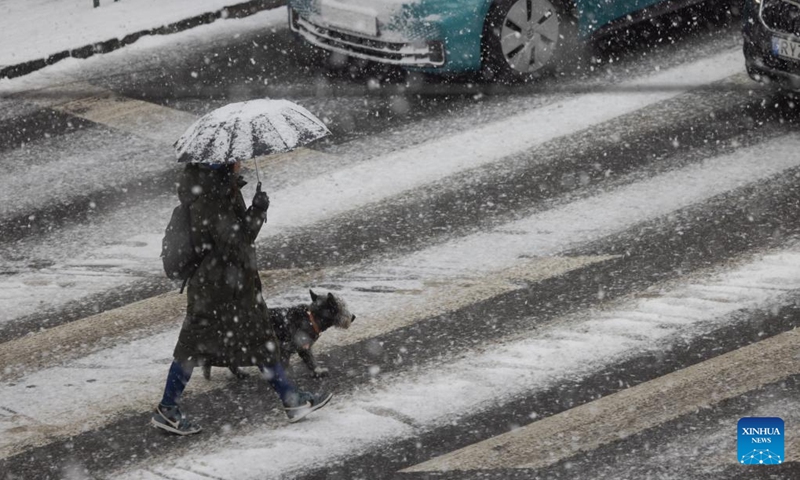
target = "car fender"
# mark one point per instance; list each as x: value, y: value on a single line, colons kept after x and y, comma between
x: 460, y: 25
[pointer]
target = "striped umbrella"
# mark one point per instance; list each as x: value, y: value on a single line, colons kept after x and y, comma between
x: 245, y: 130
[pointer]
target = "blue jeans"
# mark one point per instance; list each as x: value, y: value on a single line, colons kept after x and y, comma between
x: 180, y: 374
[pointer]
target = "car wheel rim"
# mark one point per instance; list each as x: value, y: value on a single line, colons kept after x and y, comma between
x: 529, y: 35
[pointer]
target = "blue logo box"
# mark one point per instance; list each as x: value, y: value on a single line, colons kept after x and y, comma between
x: 760, y: 441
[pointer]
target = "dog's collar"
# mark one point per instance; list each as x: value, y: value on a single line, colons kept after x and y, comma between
x: 313, y: 322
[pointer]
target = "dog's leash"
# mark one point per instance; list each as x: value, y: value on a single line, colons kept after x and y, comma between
x: 314, y: 324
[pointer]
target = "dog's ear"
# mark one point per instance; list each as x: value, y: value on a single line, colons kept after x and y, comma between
x: 332, y: 300
x: 313, y: 295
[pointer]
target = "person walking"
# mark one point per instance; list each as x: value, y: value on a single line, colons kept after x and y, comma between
x: 226, y: 316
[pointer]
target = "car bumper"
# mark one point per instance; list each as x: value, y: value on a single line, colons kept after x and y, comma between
x: 420, y: 37
x: 407, y: 53
x: 759, y: 31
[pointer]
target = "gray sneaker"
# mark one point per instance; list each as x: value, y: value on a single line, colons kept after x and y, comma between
x: 171, y: 419
x: 301, y: 404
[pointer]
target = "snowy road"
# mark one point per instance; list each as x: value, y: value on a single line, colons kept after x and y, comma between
x: 563, y: 279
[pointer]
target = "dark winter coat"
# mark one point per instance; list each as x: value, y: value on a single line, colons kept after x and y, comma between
x: 226, y: 313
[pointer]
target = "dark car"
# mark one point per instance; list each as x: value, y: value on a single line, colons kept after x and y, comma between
x: 772, y: 41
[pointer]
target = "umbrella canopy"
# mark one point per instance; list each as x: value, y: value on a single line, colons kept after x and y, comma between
x: 241, y: 131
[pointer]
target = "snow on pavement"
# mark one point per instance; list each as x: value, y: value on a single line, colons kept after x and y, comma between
x: 404, y: 170
x: 103, y: 156
x: 68, y: 73
x: 36, y: 29
x: 551, y: 232
x: 719, y: 443
x: 408, y: 404
x: 379, y: 178
x: 129, y: 377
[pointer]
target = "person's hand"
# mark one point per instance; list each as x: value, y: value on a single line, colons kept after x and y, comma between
x: 260, y: 199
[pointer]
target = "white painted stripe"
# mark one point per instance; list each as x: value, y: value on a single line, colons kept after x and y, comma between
x: 576, y: 223
x: 145, y: 119
x: 393, y: 174
x: 407, y: 405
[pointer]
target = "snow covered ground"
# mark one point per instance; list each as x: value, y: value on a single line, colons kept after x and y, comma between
x: 406, y: 406
x: 104, y: 381
x: 370, y: 180
x: 36, y: 29
x: 60, y: 401
x: 96, y: 158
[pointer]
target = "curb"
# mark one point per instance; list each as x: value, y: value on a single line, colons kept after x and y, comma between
x: 238, y: 10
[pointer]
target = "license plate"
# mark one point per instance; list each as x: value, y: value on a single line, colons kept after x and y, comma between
x: 786, y: 48
x: 349, y: 17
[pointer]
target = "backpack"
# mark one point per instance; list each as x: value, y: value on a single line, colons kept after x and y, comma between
x: 179, y: 256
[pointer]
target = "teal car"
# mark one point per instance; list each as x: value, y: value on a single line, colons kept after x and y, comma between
x: 508, y: 38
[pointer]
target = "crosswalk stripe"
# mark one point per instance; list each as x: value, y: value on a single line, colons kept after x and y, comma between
x: 148, y: 120
x: 450, y: 295
x: 144, y: 119
x: 397, y: 172
x: 41, y: 349
x: 37, y: 350
x: 49, y: 90
x: 138, y: 117
x: 630, y: 411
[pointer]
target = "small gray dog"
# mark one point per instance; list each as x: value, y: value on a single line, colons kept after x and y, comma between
x: 298, y: 327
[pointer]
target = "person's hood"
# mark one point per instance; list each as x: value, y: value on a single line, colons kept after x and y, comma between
x: 198, y: 181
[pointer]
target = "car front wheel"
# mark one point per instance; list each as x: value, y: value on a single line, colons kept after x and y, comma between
x: 523, y: 39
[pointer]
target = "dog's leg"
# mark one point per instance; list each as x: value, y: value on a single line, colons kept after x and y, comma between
x: 207, y: 372
x: 311, y: 363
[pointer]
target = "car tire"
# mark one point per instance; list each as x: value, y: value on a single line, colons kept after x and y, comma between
x: 526, y: 39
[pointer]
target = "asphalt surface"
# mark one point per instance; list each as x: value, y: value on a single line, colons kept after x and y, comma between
x: 705, y: 240
x: 673, y: 134
x: 642, y: 143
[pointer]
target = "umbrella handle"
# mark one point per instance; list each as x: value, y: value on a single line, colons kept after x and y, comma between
x: 258, y: 177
